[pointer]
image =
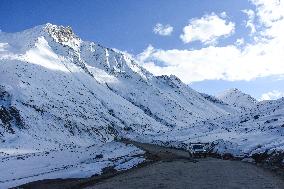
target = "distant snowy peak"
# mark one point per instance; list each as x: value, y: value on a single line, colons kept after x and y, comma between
x: 238, y: 99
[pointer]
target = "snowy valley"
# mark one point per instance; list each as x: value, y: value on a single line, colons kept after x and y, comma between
x: 65, y: 103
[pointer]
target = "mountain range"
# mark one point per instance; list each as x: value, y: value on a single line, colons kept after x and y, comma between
x: 65, y: 103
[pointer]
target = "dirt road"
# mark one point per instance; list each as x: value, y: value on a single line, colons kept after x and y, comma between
x: 175, y: 170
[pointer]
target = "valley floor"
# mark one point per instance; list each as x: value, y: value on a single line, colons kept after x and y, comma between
x: 206, y: 173
x: 171, y: 168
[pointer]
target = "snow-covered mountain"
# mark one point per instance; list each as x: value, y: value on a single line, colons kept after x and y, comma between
x: 61, y: 97
x: 237, y: 99
x: 260, y: 130
x: 51, y: 78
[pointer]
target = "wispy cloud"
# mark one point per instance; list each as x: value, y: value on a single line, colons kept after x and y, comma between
x: 272, y: 95
x: 250, y: 22
x: 164, y: 30
x: 207, y: 29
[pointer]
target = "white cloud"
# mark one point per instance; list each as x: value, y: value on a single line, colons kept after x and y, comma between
x: 223, y: 15
x: 272, y: 95
x: 227, y: 63
x: 164, y: 30
x: 264, y: 57
x: 270, y: 16
x: 3, y: 47
x: 207, y: 29
x: 269, y: 11
x: 240, y: 41
x: 250, y: 22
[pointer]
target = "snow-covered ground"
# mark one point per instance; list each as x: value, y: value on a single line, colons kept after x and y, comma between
x: 19, y: 167
x: 63, y: 101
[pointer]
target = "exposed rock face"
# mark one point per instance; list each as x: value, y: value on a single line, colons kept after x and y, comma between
x: 9, y: 116
x: 63, y: 35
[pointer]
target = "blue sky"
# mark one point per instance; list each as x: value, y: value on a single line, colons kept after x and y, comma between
x: 129, y: 25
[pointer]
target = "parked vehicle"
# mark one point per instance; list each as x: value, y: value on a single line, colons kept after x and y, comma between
x: 197, y: 149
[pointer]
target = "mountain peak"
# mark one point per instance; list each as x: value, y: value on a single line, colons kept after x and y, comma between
x: 63, y: 35
x: 237, y: 98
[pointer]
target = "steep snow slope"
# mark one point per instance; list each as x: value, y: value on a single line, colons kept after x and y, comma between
x: 50, y: 84
x: 164, y: 98
x: 238, y: 99
x: 218, y: 102
x: 57, y: 79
